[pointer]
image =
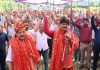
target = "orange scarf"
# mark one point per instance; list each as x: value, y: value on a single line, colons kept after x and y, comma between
x: 21, y: 53
x: 58, y: 50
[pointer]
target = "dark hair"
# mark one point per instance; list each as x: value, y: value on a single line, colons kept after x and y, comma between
x: 64, y: 20
x: 85, y: 19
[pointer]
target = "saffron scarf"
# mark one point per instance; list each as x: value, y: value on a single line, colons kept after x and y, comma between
x: 60, y: 60
x: 21, y: 53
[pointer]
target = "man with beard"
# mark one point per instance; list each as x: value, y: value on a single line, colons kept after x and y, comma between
x: 64, y: 41
x: 22, y: 53
x: 85, y: 30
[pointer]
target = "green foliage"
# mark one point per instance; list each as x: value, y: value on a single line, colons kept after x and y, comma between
x: 81, y: 4
x: 7, y: 5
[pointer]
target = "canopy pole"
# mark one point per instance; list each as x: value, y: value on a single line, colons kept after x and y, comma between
x: 71, y: 6
x: 71, y: 12
x: 53, y: 5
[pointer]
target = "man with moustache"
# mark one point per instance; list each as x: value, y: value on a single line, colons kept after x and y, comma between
x: 64, y: 41
x: 85, y: 31
x: 22, y: 53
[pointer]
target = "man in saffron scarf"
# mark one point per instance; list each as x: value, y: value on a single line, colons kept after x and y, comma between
x: 22, y: 53
x: 64, y: 42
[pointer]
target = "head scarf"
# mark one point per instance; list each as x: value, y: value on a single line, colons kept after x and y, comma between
x: 20, y: 25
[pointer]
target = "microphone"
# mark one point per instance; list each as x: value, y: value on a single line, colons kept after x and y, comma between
x: 67, y: 35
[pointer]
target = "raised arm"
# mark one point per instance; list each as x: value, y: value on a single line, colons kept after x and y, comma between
x: 71, y: 15
x: 46, y: 28
x: 92, y: 23
x: 97, y: 21
x: 32, y: 32
x: 78, y: 25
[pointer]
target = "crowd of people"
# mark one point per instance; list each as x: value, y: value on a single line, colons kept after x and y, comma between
x: 64, y: 37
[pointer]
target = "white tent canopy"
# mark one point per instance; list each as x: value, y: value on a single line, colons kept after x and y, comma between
x: 34, y: 1
x: 47, y: 4
x: 55, y: 2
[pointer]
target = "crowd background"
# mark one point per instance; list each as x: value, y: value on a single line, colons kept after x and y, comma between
x: 35, y: 17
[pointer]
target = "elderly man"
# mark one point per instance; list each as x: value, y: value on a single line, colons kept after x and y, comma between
x: 41, y: 43
x: 22, y: 53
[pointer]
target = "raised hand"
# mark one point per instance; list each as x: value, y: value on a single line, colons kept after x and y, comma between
x: 92, y: 19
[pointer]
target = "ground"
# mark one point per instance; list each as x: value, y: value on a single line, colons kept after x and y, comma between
x: 41, y: 67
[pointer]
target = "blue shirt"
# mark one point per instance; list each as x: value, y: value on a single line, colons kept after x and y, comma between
x: 96, y: 31
x: 3, y: 39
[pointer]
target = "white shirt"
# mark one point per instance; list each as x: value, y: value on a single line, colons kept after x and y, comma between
x: 41, y: 40
x: 53, y: 26
x: 3, y: 20
x: 9, y: 55
x: 11, y: 31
